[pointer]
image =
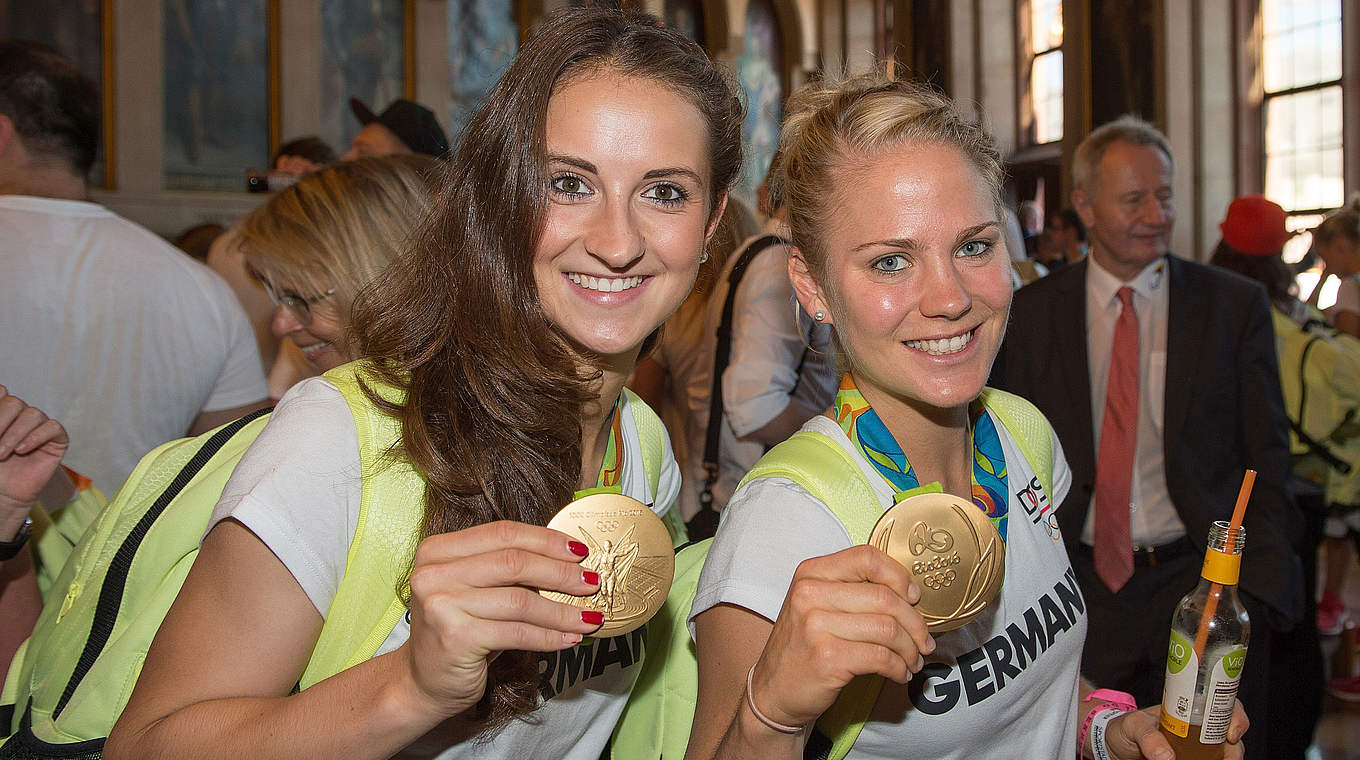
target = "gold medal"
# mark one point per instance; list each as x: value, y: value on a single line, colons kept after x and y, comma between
x: 953, y: 551
x: 631, y: 550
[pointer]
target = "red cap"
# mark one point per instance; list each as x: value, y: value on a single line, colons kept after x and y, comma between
x: 1255, y: 226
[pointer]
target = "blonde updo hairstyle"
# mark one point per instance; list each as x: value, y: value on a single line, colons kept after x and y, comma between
x: 833, y: 127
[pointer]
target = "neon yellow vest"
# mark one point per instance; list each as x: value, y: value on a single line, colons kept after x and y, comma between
x: 656, y: 722
x: 71, y: 679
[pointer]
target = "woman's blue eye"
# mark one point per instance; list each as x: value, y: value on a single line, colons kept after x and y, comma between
x: 667, y: 194
x: 891, y: 263
x: 569, y: 184
x: 975, y: 248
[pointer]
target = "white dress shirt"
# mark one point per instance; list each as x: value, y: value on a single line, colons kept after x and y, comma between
x: 1153, y: 520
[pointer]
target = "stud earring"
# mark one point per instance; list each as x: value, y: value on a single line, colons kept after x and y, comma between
x: 703, y: 257
x: 819, y: 316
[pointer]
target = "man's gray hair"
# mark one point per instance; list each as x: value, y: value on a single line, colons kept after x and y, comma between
x: 1128, y: 129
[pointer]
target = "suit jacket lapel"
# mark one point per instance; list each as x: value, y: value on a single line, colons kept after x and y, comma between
x: 1187, y: 315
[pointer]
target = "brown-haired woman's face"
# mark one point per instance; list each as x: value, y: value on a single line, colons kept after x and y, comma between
x: 627, y: 215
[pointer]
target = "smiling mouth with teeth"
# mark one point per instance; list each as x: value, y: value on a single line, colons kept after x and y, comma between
x: 605, y: 284
x: 943, y: 346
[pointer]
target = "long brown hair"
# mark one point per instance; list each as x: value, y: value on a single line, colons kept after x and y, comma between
x: 494, y: 390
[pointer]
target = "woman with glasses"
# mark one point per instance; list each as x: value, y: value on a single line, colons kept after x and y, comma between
x: 315, y: 245
x: 572, y: 223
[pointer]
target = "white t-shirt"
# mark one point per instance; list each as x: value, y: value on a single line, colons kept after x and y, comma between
x: 1005, y: 685
x: 116, y: 333
x: 298, y: 489
x: 762, y: 371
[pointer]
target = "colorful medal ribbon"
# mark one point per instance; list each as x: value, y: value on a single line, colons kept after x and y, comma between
x: 611, y: 467
x: 862, y: 425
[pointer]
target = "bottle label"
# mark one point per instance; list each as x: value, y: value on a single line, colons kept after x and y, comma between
x: 1221, y: 567
x: 1221, y: 695
x: 1178, y: 699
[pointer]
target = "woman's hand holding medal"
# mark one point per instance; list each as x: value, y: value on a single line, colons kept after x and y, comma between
x: 473, y: 596
x: 845, y: 614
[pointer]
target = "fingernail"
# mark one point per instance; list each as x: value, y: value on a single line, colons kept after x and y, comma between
x: 578, y: 548
x: 571, y: 638
x: 591, y: 577
x: 592, y: 617
x: 930, y: 644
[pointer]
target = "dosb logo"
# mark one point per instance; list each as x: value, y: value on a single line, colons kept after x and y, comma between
x: 1038, y: 507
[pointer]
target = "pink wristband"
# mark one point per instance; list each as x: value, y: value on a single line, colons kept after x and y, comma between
x: 1104, y: 699
x: 760, y: 716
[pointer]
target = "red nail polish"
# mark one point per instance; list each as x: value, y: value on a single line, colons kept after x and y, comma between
x: 592, y: 617
x: 591, y: 577
x: 578, y: 548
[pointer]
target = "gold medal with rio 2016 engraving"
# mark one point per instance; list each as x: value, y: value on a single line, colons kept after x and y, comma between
x: 953, y: 551
x: 631, y: 550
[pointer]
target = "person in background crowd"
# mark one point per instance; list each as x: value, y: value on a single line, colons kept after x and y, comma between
x: 103, y: 324
x: 303, y: 155
x: 664, y: 377
x: 1031, y: 216
x: 1183, y: 355
x: 1320, y: 376
x: 314, y: 246
x: 1337, y: 242
x: 499, y: 342
x: 780, y: 367
x: 31, y: 448
x: 895, y: 210
x: 403, y: 127
x: 198, y: 240
x: 1064, y: 239
x: 284, y: 364
x: 1024, y: 269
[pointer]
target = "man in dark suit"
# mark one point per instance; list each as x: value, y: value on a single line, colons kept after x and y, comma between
x: 1159, y: 376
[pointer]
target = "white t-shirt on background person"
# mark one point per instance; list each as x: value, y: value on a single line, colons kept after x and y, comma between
x: 298, y: 489
x: 115, y: 333
x: 1004, y: 685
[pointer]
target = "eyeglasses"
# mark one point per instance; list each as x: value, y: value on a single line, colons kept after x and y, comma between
x: 299, y: 307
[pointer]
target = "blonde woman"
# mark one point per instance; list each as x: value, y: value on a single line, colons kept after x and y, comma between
x: 315, y: 245
x: 894, y: 205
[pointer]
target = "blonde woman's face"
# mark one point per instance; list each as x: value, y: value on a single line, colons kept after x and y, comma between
x: 318, y: 330
x: 627, y: 215
x: 917, y: 277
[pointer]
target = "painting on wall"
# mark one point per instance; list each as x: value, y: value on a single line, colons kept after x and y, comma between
x: 216, y: 93
x: 483, y: 39
x: 686, y: 17
x: 363, y: 55
x: 758, y: 69
x: 75, y: 27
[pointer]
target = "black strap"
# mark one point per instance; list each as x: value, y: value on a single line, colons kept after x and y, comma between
x: 25, y: 745
x: 115, y: 578
x: 705, y: 523
x: 1315, y: 446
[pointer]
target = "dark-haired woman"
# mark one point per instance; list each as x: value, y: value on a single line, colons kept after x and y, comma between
x: 573, y: 224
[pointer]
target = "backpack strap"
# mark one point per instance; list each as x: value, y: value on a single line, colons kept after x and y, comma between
x: 652, y: 439
x: 704, y: 522
x: 367, y: 605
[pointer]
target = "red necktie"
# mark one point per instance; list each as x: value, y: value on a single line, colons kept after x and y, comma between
x: 1114, y: 466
